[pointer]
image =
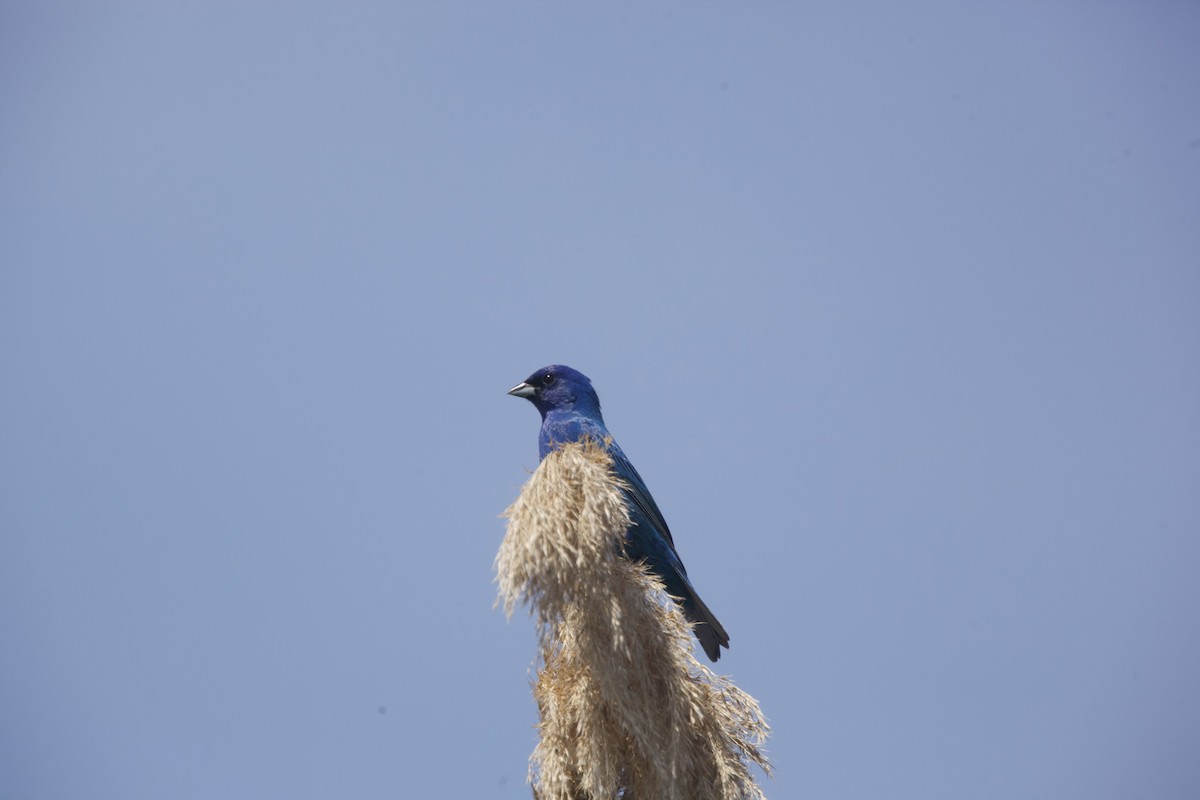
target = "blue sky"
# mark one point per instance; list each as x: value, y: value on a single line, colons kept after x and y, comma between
x: 896, y: 310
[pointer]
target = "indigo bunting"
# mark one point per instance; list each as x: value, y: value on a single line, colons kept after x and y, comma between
x: 570, y: 412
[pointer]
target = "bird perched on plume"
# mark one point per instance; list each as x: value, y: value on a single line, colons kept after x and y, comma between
x: 570, y: 412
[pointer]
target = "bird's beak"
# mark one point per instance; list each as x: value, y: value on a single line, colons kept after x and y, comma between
x: 522, y: 389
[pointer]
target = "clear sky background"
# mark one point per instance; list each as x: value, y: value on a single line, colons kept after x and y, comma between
x: 896, y: 307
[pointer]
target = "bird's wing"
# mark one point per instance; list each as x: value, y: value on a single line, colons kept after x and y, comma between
x: 639, y: 494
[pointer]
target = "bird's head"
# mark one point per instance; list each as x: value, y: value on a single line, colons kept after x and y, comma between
x: 556, y: 387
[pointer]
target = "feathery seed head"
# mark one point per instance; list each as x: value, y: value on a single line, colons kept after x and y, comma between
x: 626, y: 709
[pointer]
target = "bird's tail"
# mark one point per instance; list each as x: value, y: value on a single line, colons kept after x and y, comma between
x: 709, y: 631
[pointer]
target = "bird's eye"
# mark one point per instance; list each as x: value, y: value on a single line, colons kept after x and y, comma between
x: 549, y: 379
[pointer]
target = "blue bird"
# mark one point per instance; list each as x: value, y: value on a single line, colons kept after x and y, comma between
x: 570, y: 412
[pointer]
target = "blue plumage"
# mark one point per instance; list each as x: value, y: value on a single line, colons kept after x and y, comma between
x: 570, y: 412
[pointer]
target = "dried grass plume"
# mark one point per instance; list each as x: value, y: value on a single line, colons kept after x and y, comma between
x: 626, y: 709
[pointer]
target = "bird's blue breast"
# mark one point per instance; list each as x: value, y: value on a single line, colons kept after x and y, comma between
x: 560, y: 427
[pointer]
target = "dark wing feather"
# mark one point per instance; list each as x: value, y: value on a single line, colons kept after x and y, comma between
x: 640, y: 495
x: 669, y: 568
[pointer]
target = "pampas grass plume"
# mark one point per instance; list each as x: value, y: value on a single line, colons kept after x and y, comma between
x: 626, y: 710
